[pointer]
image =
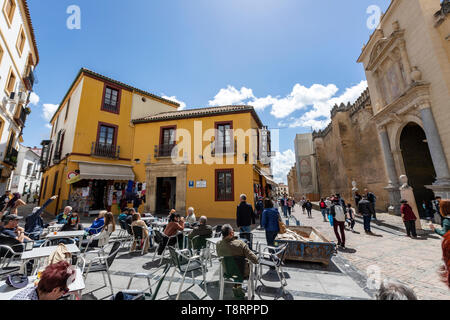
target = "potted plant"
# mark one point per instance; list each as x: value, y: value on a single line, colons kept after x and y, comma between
x: 27, y: 110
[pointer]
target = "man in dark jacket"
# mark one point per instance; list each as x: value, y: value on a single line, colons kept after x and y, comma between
x: 34, y: 224
x: 373, y: 200
x: 245, y: 216
x: 366, y: 209
x: 202, y: 230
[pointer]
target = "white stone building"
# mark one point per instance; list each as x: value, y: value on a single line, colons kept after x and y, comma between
x: 26, y: 178
x: 18, y: 58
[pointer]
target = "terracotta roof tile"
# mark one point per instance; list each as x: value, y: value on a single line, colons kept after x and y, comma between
x: 33, y: 36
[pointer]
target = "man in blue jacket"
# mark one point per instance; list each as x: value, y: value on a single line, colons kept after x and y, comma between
x: 34, y: 224
x: 269, y: 222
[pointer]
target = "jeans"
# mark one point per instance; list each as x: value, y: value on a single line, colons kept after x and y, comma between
x: 289, y: 210
x: 367, y: 223
x: 324, y: 214
x: 309, y: 212
x: 285, y: 210
x: 341, y: 226
x: 270, y: 237
x: 246, y: 229
x: 411, y: 228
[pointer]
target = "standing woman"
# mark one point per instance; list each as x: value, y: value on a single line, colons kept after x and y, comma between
x: 323, y: 209
x: 445, y: 213
x: 269, y: 222
x: 289, y: 202
x: 409, y: 219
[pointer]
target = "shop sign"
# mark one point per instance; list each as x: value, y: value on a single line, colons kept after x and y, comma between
x: 73, y: 177
x: 201, y: 184
x: 191, y: 184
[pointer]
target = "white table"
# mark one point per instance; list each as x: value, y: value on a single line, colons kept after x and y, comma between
x: 75, y: 288
x: 146, y: 219
x: 46, y: 252
x: 65, y: 234
x: 55, y: 227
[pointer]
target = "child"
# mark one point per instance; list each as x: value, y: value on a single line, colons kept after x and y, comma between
x: 350, y: 217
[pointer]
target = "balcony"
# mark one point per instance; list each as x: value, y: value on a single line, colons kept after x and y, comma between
x: 164, y: 150
x: 21, y: 117
x: 29, y: 80
x: 11, y: 157
x: 103, y: 150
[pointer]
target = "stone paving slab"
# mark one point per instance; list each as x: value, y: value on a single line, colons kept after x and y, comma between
x: 413, y: 262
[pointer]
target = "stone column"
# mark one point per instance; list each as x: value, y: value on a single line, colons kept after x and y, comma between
x: 393, y: 186
x: 435, y: 145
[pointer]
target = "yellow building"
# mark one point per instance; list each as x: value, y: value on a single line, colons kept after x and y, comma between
x: 109, y: 138
x: 92, y: 141
x: 203, y: 158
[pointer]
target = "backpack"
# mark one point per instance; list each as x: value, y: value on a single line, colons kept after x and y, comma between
x: 323, y: 205
x: 339, y: 213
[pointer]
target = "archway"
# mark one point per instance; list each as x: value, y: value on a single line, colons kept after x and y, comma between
x: 418, y: 163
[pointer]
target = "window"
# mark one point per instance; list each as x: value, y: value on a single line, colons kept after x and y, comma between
x: 224, y: 137
x: 50, y: 157
x: 225, y: 185
x: 67, y: 109
x: 8, y: 9
x: 11, y: 82
x: 21, y: 41
x: 167, y: 141
x: 111, y: 99
x: 29, y: 169
x: 55, y: 181
x: 106, y: 136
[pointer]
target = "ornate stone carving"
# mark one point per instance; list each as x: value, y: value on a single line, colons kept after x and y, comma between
x: 404, y: 182
x: 416, y: 75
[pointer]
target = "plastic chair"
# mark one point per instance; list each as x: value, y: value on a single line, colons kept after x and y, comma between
x: 185, y: 262
x: 232, y: 270
x: 139, y: 237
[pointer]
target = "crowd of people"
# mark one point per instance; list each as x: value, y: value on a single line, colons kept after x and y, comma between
x: 341, y: 216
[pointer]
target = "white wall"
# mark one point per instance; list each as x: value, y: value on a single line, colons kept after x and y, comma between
x: 20, y: 177
x: 141, y: 109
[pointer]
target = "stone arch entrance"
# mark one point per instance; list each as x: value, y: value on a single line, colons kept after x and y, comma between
x: 418, y: 163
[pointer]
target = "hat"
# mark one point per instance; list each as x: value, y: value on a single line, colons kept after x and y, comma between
x: 18, y: 281
x: 11, y: 217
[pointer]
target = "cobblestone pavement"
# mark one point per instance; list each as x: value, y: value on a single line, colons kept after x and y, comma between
x: 413, y: 262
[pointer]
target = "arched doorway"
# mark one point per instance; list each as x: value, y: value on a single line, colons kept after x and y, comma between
x: 418, y: 163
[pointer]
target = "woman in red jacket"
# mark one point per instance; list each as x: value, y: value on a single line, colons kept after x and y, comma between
x: 409, y: 219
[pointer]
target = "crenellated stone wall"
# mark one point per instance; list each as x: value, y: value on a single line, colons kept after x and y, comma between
x: 349, y: 150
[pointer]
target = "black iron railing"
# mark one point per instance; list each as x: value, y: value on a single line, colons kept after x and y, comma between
x: 164, y: 150
x: 105, y: 150
x: 29, y: 80
x: 11, y: 157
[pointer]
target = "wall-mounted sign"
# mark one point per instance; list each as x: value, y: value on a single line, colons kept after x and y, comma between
x: 201, y: 184
x: 191, y: 184
x: 73, y: 177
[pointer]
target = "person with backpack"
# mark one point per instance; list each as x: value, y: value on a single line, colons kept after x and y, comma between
x: 323, y: 209
x: 365, y: 208
x: 372, y: 200
x: 308, y: 207
x: 350, y: 217
x: 338, y: 214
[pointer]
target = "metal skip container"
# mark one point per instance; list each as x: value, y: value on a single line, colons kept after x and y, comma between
x: 306, y: 244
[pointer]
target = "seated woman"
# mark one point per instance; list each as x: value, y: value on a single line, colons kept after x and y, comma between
x: 176, y: 223
x: 98, y: 224
x: 73, y: 223
x: 138, y: 222
x: 101, y: 239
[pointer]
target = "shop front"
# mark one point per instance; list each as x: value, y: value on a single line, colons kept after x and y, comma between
x: 95, y: 187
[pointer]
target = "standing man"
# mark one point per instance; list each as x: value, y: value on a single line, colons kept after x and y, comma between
x: 366, y: 209
x: 358, y: 198
x: 269, y: 221
x: 373, y: 201
x: 259, y: 207
x: 338, y: 214
x: 245, y: 216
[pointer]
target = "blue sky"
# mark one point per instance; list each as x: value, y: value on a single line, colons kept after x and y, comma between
x: 292, y: 59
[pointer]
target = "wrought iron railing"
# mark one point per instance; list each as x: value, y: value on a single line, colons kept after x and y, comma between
x: 164, y: 150
x: 11, y: 157
x: 29, y: 80
x: 105, y: 150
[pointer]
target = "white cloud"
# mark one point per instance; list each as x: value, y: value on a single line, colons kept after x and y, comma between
x: 174, y: 99
x: 49, y: 110
x: 48, y: 125
x: 34, y: 99
x: 284, y: 162
x: 321, y: 97
x: 231, y: 96
x: 319, y: 117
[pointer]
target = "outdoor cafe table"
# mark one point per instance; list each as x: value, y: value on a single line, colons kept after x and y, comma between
x: 75, y: 288
x: 55, y: 227
x: 65, y: 234
x: 44, y: 252
x: 149, y: 219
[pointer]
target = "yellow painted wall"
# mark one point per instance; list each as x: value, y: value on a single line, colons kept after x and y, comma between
x: 147, y: 135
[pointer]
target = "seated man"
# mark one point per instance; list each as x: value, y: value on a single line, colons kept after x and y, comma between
x: 202, y: 230
x: 231, y: 246
x: 62, y: 217
x: 11, y: 228
x: 34, y: 223
x: 97, y: 225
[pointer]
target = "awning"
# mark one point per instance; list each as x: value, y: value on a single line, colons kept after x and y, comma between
x: 269, y: 179
x: 105, y: 172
